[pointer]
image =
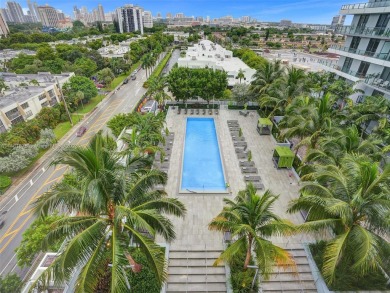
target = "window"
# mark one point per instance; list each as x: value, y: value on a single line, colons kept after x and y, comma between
x: 28, y: 113
x: 362, y: 23
x: 12, y: 114
x: 347, y: 64
x: 42, y: 96
x: 24, y: 105
x: 376, y: 93
x: 45, y: 104
x: 372, y: 46
x: 354, y: 44
x: 385, y: 74
x: 51, y: 93
x: 383, y: 21
x: 363, y: 69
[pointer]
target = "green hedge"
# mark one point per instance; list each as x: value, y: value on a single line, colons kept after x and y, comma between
x: 239, y: 107
x: 5, y: 182
x: 193, y: 106
x: 159, y: 68
x: 242, y: 280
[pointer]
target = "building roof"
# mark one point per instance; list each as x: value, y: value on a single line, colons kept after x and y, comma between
x: 20, y: 94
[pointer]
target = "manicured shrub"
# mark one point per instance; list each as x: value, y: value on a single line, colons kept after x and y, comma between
x: 5, y: 182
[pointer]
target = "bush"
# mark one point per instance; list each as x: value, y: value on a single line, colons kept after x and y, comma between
x: 10, y: 283
x: 242, y: 280
x: 241, y: 107
x: 146, y: 280
x: 19, y: 159
x: 47, y: 139
x: 5, y: 182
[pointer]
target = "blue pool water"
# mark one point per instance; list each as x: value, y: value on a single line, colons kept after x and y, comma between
x: 202, y: 167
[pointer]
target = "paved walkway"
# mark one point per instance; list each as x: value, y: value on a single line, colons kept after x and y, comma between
x: 192, y: 231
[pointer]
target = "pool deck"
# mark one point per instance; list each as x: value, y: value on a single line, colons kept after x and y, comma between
x: 192, y: 231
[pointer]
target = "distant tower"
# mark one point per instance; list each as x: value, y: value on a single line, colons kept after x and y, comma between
x: 147, y: 19
x: 4, y: 30
x: 101, y: 13
x: 15, y: 11
x: 130, y: 19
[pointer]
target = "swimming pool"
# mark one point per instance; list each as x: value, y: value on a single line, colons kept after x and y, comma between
x: 202, y: 169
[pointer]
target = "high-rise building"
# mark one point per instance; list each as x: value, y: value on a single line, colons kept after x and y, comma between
x: 147, y: 19
x: 6, y: 15
x: 33, y: 11
x: 61, y: 15
x: 48, y: 15
x: 158, y: 15
x: 16, y: 12
x: 101, y: 13
x: 364, y: 57
x: 169, y: 15
x: 246, y: 19
x: 76, y: 13
x: 130, y: 19
x: 338, y: 20
x: 4, y: 30
x: 179, y: 15
x: 285, y: 22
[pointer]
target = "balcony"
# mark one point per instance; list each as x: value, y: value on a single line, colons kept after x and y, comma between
x: 381, y: 56
x: 348, y: 74
x: 369, y: 7
x: 377, y: 32
x: 378, y: 83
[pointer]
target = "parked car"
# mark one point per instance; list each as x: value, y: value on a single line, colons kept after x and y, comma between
x: 126, y: 81
x: 133, y: 76
x: 2, y: 219
x: 81, y: 131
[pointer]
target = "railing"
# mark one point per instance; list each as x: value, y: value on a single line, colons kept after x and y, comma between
x: 338, y: 68
x: 381, y: 56
x: 365, y: 5
x: 378, y: 82
x: 364, y: 31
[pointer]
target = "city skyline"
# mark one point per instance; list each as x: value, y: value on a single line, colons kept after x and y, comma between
x: 309, y: 11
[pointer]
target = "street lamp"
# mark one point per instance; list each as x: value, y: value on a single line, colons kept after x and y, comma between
x: 254, y: 278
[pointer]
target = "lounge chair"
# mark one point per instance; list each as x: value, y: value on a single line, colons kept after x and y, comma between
x: 197, y: 111
x: 240, y: 144
x: 234, y: 133
x: 246, y: 114
x: 241, y: 113
x: 233, y: 128
x: 216, y: 111
x: 232, y: 121
x: 192, y: 111
x: 258, y: 185
x: 210, y: 112
x: 178, y: 110
x: 247, y: 164
x: 249, y: 170
x: 252, y: 178
x: 242, y: 155
x: 185, y: 111
x: 235, y: 138
x: 240, y: 151
x: 204, y: 111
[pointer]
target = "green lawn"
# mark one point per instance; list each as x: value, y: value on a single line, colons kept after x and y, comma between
x: 91, y: 105
x: 117, y: 80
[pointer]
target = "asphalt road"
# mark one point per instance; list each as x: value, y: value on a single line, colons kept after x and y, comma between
x: 19, y: 214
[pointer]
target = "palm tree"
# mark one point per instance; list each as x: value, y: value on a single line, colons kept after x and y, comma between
x: 266, y: 76
x: 352, y: 201
x: 116, y: 207
x: 3, y: 86
x: 343, y: 90
x: 340, y: 141
x: 157, y: 87
x: 147, y: 63
x: 250, y: 220
x: 240, y: 74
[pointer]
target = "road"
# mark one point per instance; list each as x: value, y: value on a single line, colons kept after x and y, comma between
x: 19, y: 214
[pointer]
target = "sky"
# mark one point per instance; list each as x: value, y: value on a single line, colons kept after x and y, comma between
x: 299, y: 11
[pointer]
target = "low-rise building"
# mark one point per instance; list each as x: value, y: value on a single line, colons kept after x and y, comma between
x: 27, y: 94
x: 211, y: 55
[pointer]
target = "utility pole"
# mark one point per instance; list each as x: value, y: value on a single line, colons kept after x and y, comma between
x: 63, y: 99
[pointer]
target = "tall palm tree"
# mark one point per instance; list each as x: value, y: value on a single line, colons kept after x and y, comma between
x: 352, y: 201
x: 147, y: 63
x: 240, y: 74
x: 116, y: 206
x: 157, y: 87
x: 251, y: 221
x: 266, y: 76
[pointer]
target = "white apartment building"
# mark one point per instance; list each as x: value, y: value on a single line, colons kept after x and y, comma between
x: 48, y: 16
x: 147, y: 19
x: 365, y: 55
x: 27, y: 94
x: 211, y: 55
x: 15, y: 11
x: 130, y: 19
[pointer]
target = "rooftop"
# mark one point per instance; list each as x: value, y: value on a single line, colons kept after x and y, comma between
x: 19, y: 94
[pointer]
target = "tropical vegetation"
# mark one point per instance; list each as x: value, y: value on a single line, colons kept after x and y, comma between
x: 251, y: 222
x: 115, y: 207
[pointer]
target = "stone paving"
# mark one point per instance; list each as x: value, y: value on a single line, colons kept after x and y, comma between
x: 192, y: 231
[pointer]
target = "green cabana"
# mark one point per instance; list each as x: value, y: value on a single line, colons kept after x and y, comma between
x: 264, y: 126
x: 283, y: 157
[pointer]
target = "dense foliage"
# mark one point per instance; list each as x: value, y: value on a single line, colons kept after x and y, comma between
x: 250, y: 57
x: 186, y: 83
x: 32, y: 240
x: 10, y: 283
